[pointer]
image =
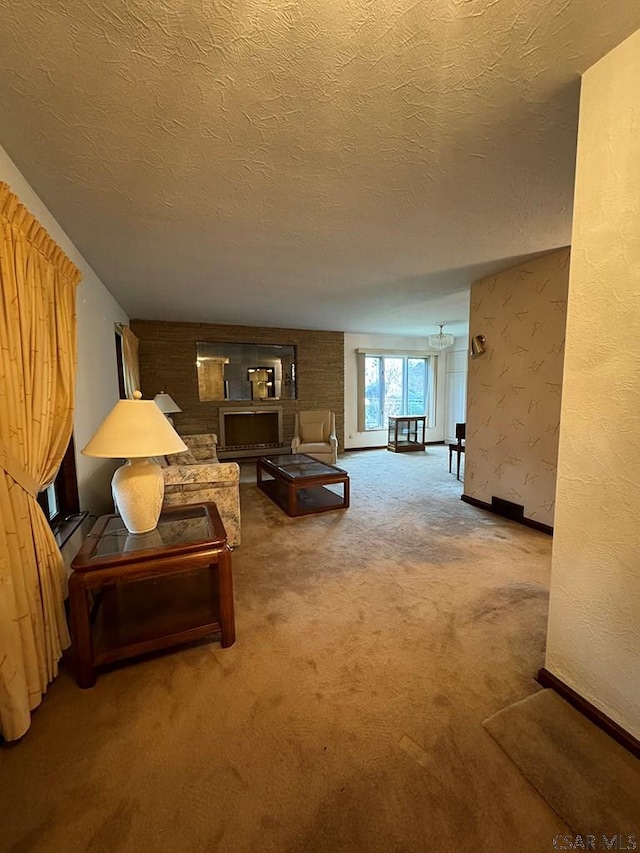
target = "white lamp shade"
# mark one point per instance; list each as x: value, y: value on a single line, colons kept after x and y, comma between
x: 166, y: 403
x: 134, y: 429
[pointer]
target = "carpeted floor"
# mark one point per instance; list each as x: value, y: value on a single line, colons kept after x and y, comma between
x: 372, y: 643
x: 584, y: 775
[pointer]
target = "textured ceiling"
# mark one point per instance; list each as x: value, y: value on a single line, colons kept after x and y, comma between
x: 343, y: 165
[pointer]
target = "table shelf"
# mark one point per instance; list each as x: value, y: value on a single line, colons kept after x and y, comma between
x: 138, y: 617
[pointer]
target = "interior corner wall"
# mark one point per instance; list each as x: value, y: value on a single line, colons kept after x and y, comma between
x: 513, y: 391
x: 97, y: 376
x: 378, y: 438
x: 593, y: 642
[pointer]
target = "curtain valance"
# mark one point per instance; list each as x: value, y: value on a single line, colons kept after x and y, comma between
x: 15, y: 214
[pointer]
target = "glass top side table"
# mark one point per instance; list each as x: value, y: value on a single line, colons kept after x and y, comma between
x: 406, y: 432
x: 130, y: 594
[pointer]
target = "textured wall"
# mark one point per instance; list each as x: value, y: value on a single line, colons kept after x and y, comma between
x: 97, y: 379
x: 594, y: 625
x: 168, y: 362
x: 513, y: 408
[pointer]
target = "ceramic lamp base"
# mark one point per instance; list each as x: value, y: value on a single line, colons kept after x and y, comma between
x: 138, y: 491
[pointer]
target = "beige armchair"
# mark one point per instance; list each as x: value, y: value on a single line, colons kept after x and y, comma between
x: 315, y: 434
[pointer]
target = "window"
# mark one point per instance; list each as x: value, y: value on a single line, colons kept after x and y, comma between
x: 61, y: 498
x: 120, y: 365
x: 395, y: 384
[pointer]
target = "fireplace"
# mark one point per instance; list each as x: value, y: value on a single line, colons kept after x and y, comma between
x: 247, y: 432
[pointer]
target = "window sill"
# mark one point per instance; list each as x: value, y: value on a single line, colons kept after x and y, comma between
x: 64, y: 529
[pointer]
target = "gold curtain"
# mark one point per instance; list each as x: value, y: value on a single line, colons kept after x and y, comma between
x: 37, y: 385
x: 130, y: 363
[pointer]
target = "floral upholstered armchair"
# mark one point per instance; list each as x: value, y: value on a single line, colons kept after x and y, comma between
x: 197, y: 476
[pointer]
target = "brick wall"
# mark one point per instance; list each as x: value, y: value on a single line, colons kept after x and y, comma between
x: 168, y: 363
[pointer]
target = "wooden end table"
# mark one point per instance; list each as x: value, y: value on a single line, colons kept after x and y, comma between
x: 130, y: 594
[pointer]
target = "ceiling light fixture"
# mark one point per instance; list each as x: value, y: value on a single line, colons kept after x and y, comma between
x: 443, y: 340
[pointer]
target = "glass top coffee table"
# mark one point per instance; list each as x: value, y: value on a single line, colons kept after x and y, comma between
x: 300, y: 485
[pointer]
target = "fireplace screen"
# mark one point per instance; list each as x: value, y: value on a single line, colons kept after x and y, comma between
x: 251, y: 428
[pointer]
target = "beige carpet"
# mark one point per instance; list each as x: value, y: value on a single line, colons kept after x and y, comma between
x: 591, y: 781
x: 372, y: 643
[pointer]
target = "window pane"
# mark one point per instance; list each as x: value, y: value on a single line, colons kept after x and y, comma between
x: 416, y: 386
x: 61, y: 499
x: 52, y: 495
x: 393, y: 386
x: 372, y: 396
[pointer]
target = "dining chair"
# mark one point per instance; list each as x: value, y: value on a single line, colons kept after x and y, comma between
x: 458, y: 447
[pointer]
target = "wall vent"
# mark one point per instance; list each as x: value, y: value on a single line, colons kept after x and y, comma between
x: 507, y: 509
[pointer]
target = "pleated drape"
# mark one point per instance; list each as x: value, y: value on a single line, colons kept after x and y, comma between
x: 37, y: 385
x: 130, y: 362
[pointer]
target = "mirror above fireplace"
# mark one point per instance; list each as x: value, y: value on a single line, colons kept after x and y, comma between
x: 236, y: 371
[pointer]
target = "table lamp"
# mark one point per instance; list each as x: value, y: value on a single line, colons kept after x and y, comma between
x: 136, y: 430
x: 167, y: 405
